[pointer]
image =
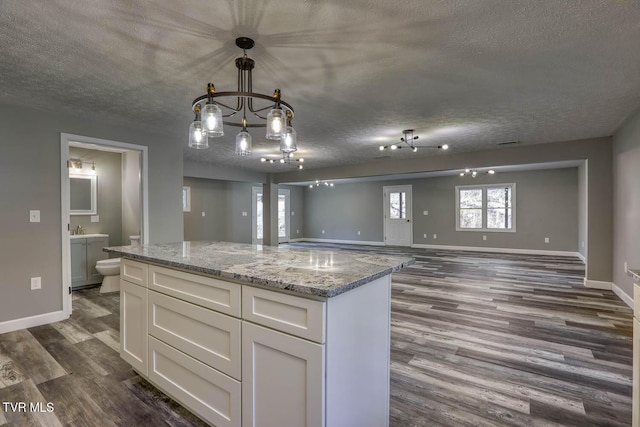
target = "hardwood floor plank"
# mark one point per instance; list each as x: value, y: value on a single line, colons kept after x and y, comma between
x: 29, y: 357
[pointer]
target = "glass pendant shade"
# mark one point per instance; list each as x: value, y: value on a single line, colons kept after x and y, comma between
x: 275, y: 124
x: 243, y: 143
x: 288, y: 143
x: 212, y: 120
x: 197, y: 138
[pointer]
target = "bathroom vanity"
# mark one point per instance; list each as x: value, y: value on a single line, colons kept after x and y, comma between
x: 86, y: 251
x: 250, y: 335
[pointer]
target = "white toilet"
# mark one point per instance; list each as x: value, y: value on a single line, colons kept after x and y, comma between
x: 110, y: 269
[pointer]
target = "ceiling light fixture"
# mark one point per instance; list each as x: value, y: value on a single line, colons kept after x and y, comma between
x: 213, y: 108
x: 408, y: 139
x: 287, y: 158
x: 321, y: 183
x: 474, y: 172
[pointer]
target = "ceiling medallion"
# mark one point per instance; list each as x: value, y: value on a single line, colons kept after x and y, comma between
x: 408, y: 139
x: 240, y: 108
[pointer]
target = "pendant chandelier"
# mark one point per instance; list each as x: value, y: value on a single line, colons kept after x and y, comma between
x: 408, y: 139
x: 239, y: 108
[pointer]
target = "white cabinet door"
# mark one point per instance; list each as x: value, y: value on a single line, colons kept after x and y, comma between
x: 283, y: 379
x: 133, y: 325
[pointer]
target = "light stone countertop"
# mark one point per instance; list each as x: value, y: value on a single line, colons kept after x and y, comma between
x: 324, y: 273
x: 635, y: 274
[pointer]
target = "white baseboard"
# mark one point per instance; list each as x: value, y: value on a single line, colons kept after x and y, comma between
x: 596, y: 284
x: 622, y: 295
x: 29, y: 322
x: 346, y: 242
x: 499, y: 250
x: 579, y: 255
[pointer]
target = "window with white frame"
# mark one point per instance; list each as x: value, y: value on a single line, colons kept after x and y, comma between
x: 186, y: 199
x: 489, y: 207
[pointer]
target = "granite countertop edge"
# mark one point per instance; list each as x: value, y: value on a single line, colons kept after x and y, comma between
x: 267, y: 283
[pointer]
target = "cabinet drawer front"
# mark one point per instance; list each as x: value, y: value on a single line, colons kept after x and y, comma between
x: 297, y: 316
x: 208, y: 393
x: 210, y: 337
x: 133, y: 325
x: 134, y: 272
x: 205, y: 291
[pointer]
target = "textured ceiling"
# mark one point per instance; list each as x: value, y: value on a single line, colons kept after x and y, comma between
x: 467, y: 73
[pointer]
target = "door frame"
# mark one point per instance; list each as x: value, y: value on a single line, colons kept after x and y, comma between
x: 287, y: 208
x: 385, y: 190
x: 65, y: 140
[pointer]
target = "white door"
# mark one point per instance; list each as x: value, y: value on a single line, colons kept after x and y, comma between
x: 284, y: 214
x: 256, y: 216
x: 398, y: 228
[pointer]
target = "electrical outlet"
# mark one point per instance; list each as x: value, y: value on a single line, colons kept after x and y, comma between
x: 36, y: 283
x: 484, y: 237
x: 626, y: 267
x: 297, y: 231
x: 425, y: 235
x: 202, y: 213
x: 435, y: 236
x: 322, y: 231
x: 546, y: 240
x: 293, y: 213
x: 425, y: 213
x: 34, y: 216
x: 358, y: 232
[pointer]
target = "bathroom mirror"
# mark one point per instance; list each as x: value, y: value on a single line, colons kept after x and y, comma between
x: 83, y: 191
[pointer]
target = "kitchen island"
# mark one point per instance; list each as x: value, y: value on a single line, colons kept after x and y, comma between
x: 252, y: 335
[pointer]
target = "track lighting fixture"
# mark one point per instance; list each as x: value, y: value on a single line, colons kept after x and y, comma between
x: 407, y: 142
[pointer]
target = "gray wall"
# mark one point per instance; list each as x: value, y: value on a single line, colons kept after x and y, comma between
x: 223, y: 203
x: 30, y: 178
x: 598, y: 152
x: 131, y: 209
x: 109, y: 183
x: 345, y: 209
x: 626, y: 161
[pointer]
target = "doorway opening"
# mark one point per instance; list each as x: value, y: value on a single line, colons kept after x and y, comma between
x: 257, y: 217
x: 117, y: 205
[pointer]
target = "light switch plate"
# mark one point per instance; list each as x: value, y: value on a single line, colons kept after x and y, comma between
x: 425, y: 212
x: 244, y: 213
x: 34, y: 216
x: 36, y: 283
x: 95, y: 218
x: 293, y: 213
x: 202, y: 213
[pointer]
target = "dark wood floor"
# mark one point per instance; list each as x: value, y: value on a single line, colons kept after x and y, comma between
x: 477, y: 340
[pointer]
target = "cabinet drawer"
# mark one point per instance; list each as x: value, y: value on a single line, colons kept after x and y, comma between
x: 297, y: 316
x: 208, y: 292
x: 208, y: 393
x: 134, y: 272
x: 210, y: 337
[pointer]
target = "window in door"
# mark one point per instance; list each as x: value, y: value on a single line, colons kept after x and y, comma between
x: 397, y: 205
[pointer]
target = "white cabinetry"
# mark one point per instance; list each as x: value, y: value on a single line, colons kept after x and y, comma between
x: 133, y: 321
x: 85, y: 253
x: 238, y: 355
x: 636, y: 357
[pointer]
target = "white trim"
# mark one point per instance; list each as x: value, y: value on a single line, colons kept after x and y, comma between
x: 287, y: 208
x: 30, y: 322
x: 582, y: 257
x: 622, y: 295
x: 348, y: 242
x: 186, y: 204
x: 499, y: 250
x: 596, y: 284
x: 484, y: 187
x: 254, y: 214
x: 65, y: 140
